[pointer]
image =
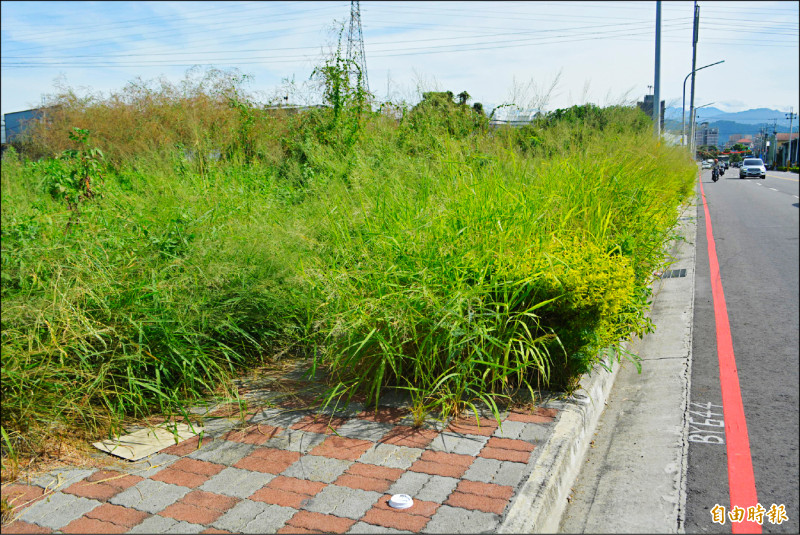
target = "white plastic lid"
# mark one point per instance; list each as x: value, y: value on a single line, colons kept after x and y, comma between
x: 401, y: 501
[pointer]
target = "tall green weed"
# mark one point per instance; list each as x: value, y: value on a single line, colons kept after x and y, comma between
x: 423, y: 251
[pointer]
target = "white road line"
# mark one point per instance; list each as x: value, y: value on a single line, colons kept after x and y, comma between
x: 795, y: 196
x: 773, y: 189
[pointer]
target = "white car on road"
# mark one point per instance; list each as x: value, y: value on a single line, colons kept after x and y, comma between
x: 752, y: 167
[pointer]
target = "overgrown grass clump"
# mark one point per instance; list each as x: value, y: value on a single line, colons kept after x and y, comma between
x: 420, y: 249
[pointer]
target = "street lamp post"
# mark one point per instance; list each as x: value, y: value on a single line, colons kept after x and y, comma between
x: 693, y: 120
x: 683, y: 106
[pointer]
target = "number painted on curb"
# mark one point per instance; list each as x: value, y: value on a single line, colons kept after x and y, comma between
x: 700, y: 420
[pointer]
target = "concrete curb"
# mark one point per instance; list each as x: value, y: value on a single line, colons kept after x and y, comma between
x: 541, y: 501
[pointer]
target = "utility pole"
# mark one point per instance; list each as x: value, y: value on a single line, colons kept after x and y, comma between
x: 657, y: 82
x: 790, y: 116
x: 775, y: 140
x: 355, y: 44
x: 695, y: 35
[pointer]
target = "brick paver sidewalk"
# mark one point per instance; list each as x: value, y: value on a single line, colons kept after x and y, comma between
x: 294, y: 472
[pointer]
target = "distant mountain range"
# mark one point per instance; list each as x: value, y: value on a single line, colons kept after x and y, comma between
x: 754, y: 116
x: 742, y: 122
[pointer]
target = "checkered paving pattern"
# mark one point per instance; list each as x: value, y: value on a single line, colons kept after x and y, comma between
x: 296, y: 472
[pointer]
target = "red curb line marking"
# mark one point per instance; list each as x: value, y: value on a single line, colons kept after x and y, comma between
x: 741, y: 481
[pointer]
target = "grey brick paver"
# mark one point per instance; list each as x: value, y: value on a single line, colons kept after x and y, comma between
x: 364, y: 429
x: 270, y: 521
x: 62, y: 478
x: 278, y: 417
x: 254, y: 517
x: 236, y: 482
x: 225, y: 452
x: 162, y: 524
x: 424, y: 487
x: 295, y: 440
x: 343, y: 501
x: 391, y: 456
x: 448, y: 519
x: 213, y: 426
x: 363, y: 527
x: 316, y: 468
x: 238, y: 516
x: 458, y: 443
x: 509, y: 429
x: 429, y: 422
x: 498, y: 472
x: 151, y: 465
x: 409, y: 483
x: 344, y: 410
x: 57, y: 510
x: 150, y: 496
x: 533, y: 433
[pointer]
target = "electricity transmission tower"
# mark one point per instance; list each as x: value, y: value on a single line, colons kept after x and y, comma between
x: 355, y: 44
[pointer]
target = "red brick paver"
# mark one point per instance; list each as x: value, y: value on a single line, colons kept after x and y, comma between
x: 471, y: 425
x: 412, y: 519
x: 116, y: 514
x: 184, y: 448
x: 537, y: 416
x: 92, y: 525
x: 19, y: 526
x: 268, y: 460
x: 190, y: 513
x: 257, y: 434
x: 322, y: 424
x: 384, y: 415
x: 318, y: 522
x: 439, y: 463
x: 21, y: 496
x: 347, y: 449
x: 475, y: 495
x: 103, y: 485
x: 200, y: 507
x: 369, y: 477
x: 510, y: 444
x: 188, y: 472
x: 507, y: 449
x: 288, y: 491
x: 475, y: 502
x: 479, y: 488
x: 409, y: 437
x: 502, y: 454
x: 296, y: 530
x: 210, y: 500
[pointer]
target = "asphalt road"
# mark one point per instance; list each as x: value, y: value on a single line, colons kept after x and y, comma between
x: 755, y: 225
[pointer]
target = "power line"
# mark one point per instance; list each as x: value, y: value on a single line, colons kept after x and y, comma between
x: 375, y: 43
x: 460, y: 47
x: 170, y: 31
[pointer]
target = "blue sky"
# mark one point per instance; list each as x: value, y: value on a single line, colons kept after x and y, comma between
x: 599, y: 52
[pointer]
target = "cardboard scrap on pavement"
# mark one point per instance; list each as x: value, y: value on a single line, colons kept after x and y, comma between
x: 144, y: 442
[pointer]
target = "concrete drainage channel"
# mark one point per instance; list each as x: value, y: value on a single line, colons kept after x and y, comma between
x: 542, y: 499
